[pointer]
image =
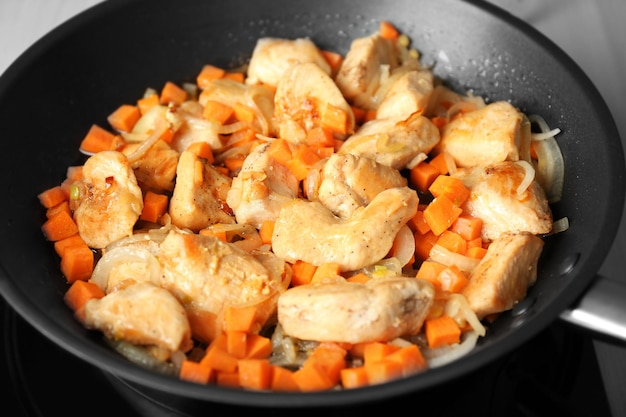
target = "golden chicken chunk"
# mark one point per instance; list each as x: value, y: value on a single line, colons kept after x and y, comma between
x: 485, y: 136
x: 342, y: 311
x: 503, y: 276
x: 408, y: 93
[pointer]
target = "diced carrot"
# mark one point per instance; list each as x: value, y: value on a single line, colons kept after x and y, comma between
x: 360, y: 277
x: 383, y: 371
x: 320, y: 136
x: 219, y: 359
x: 172, y: 93
x: 52, y: 196
x: 311, y: 377
x: 333, y: 59
x: 79, y: 293
x: 195, y: 372
x: 323, y: 151
x: 442, y: 331
x: 335, y: 119
x: 240, y: 318
x: 359, y: 114
x: 326, y: 271
x: 124, y: 117
x: 468, y: 227
x: 388, y: 31
x: 203, y: 150
x: 235, y: 162
x: 146, y: 103
x: 62, y: 206
x: 422, y: 176
x: 77, y: 263
x: 330, y: 359
x: 441, y: 213
x: 439, y: 121
x: 255, y: 373
x: 439, y: 162
x: 217, y: 111
x: 258, y: 347
x: 354, y: 377
x: 244, y: 113
x: 59, y: 226
x: 451, y: 187
x: 218, y: 233
x: 453, y: 242
x: 303, y: 158
x: 477, y: 252
x: 280, y: 151
x: 283, y: 380
x: 410, y: 357
x: 266, y: 231
x: 418, y: 224
x: 452, y: 279
x: 235, y: 76
x: 74, y: 240
x: 302, y: 273
x: 369, y: 115
x: 99, y: 139
x: 236, y: 343
x: 423, y: 244
x: 475, y: 243
x: 154, y: 206
x: 376, y: 351
x: 208, y: 74
x: 429, y: 271
x: 227, y: 379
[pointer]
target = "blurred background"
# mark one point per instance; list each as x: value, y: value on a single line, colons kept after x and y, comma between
x: 592, y: 33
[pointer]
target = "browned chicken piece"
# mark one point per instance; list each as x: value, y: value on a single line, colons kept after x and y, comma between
x: 112, y: 200
x: 485, y: 136
x: 141, y: 314
x: 368, y: 62
x: 261, y: 188
x: 495, y: 198
x: 349, y: 182
x: 394, y: 142
x: 503, y: 276
x: 408, y: 94
x: 200, y: 194
x: 379, y: 310
x: 272, y: 57
x: 308, y: 231
x: 155, y: 170
x: 207, y: 274
x: 302, y: 96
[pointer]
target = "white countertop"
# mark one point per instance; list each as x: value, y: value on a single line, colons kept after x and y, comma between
x: 593, y: 33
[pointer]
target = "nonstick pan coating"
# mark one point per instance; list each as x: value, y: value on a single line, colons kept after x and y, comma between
x: 108, y: 55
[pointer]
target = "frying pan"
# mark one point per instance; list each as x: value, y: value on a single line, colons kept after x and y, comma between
x: 81, y: 71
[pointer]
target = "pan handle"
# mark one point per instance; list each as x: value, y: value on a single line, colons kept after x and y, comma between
x: 602, y: 309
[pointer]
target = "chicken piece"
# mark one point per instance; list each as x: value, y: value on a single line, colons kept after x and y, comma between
x: 199, y: 195
x: 141, y: 314
x: 393, y: 142
x: 155, y: 170
x: 349, y: 182
x: 408, y: 93
x: 112, y: 202
x: 256, y: 97
x: 207, y: 275
x: 308, y: 231
x: 379, y: 310
x: 302, y: 96
x: 368, y: 62
x: 485, y: 136
x: 261, y: 188
x: 495, y: 199
x: 503, y: 276
x: 272, y: 57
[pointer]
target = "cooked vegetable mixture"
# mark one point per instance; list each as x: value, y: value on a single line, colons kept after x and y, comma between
x: 311, y: 222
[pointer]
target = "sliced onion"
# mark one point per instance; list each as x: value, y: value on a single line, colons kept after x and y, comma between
x: 458, y: 308
x: 446, y: 354
x: 124, y: 254
x: 445, y: 256
x: 529, y: 177
x: 403, y: 247
x: 550, y: 164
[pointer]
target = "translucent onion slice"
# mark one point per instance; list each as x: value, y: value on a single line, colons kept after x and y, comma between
x: 123, y: 254
x: 404, y: 245
x: 550, y: 165
x: 446, y: 354
x: 444, y: 256
x: 529, y: 176
x: 458, y: 308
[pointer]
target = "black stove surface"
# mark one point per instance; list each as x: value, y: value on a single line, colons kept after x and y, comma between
x: 555, y: 374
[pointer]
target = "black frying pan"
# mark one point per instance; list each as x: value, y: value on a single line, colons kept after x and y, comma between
x: 108, y: 55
